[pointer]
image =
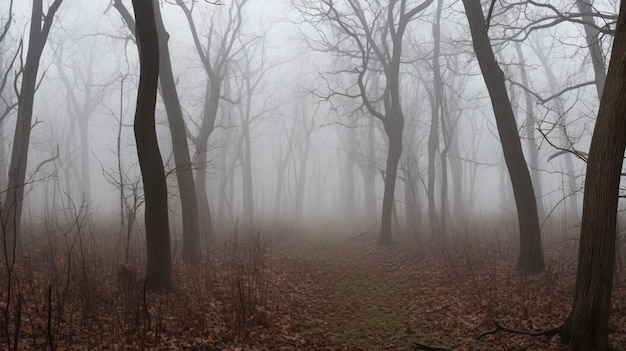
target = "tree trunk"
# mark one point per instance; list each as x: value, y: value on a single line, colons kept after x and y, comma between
x: 369, y: 175
x: 586, y: 328
x: 180, y: 147
x: 14, y: 198
x: 246, y: 163
x: 593, y: 42
x: 303, y: 148
x: 204, y: 209
x: 530, y: 133
x: 531, y: 252
x: 562, y: 123
x: 437, y: 223
x: 394, y: 133
x: 159, y: 266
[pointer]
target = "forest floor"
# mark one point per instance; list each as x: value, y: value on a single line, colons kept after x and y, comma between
x: 303, y: 293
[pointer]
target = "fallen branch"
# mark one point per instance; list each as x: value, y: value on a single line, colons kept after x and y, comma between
x: 500, y: 327
x: 360, y: 235
x: 419, y: 346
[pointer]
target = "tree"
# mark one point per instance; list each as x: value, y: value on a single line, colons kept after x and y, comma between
x: 178, y: 131
x: 592, y: 35
x: 531, y: 252
x: 80, y: 108
x: 586, y: 328
x: 180, y: 147
x: 375, y: 33
x: 40, y: 25
x: 215, y: 57
x: 159, y: 266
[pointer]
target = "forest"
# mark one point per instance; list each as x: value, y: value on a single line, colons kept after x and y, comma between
x: 312, y: 175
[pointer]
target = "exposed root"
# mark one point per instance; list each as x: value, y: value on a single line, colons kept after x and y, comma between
x: 419, y: 346
x: 500, y: 327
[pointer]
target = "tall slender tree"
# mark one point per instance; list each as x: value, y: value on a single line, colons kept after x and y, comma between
x: 178, y: 131
x: 159, y: 265
x: 11, y: 216
x: 530, y: 259
x: 215, y: 57
x: 375, y: 31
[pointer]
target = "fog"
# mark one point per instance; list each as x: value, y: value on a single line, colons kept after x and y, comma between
x: 323, y: 167
x: 300, y: 104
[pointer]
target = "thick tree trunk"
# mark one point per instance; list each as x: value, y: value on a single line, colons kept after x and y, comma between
x: 159, y: 266
x: 180, y: 147
x: 14, y: 198
x: 531, y: 252
x: 586, y: 328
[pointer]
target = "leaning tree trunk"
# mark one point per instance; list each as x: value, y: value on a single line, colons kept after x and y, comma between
x: 531, y: 252
x: 586, y: 328
x: 159, y: 266
x: 14, y: 198
x: 180, y: 147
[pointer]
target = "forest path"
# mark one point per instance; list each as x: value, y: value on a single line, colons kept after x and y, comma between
x: 356, y: 295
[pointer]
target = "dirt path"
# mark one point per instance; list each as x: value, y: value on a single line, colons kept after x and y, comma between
x: 349, y: 295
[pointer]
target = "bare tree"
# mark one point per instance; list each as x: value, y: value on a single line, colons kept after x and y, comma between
x: 215, y: 57
x: 586, y: 328
x: 80, y: 108
x: 375, y: 34
x: 178, y: 131
x: 159, y: 265
x: 531, y: 251
x: 40, y: 25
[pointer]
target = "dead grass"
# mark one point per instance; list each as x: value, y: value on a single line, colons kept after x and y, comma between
x: 312, y: 293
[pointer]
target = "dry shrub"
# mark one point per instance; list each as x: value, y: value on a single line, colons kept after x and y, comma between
x: 242, y: 282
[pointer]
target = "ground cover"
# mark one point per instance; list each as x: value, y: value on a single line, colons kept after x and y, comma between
x: 299, y: 293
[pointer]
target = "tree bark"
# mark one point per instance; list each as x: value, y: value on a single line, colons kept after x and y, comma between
x: 180, y: 147
x: 159, y: 266
x: 531, y: 252
x: 586, y: 328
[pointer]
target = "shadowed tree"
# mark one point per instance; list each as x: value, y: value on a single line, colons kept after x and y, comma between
x: 531, y: 251
x: 159, y: 266
x: 178, y: 132
x: 586, y: 328
x: 40, y: 25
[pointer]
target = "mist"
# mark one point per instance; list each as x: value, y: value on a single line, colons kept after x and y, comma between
x: 309, y: 153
